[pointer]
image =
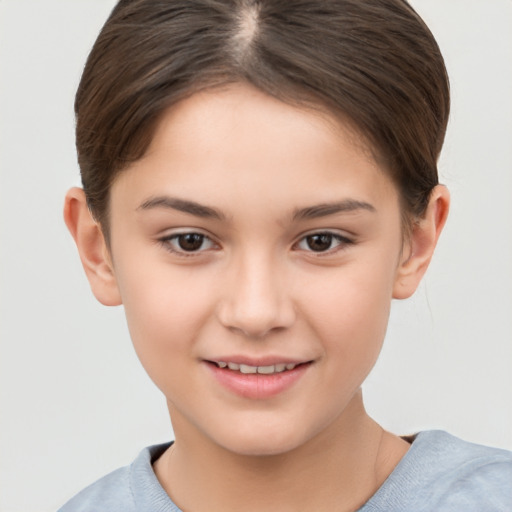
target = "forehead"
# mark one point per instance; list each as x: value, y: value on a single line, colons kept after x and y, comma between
x: 224, y: 145
x: 249, y: 113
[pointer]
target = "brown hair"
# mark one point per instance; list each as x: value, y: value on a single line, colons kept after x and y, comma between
x: 373, y: 61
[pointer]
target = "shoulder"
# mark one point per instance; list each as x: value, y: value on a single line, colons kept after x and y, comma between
x: 110, y: 493
x: 467, y: 469
x: 449, y: 455
x: 124, y: 489
x: 443, y: 473
x: 452, y: 451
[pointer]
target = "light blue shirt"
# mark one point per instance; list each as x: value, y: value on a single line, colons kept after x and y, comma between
x: 439, y: 473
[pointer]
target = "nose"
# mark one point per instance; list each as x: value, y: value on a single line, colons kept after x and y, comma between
x: 256, y: 300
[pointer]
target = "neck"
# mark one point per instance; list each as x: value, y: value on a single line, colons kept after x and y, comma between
x: 344, y: 465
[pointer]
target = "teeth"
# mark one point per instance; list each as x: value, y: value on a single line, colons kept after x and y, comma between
x: 244, y: 368
x: 266, y: 370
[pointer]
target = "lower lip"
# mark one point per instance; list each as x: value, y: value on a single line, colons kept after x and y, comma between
x: 257, y: 386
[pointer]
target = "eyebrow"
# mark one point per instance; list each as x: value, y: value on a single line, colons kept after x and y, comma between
x: 182, y: 205
x: 309, y: 212
x: 325, y: 209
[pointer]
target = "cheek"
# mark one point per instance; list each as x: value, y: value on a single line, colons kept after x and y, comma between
x: 165, y: 310
x: 350, y: 311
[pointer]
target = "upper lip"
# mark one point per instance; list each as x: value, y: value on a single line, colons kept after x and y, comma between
x: 258, y: 361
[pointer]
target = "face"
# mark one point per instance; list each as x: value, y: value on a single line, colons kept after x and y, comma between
x: 255, y: 247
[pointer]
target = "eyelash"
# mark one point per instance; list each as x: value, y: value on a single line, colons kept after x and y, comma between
x: 168, y: 242
x: 342, y: 243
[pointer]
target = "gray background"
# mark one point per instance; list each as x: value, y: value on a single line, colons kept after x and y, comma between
x: 74, y: 401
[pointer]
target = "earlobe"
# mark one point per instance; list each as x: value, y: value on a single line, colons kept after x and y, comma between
x: 422, y: 242
x: 92, y: 248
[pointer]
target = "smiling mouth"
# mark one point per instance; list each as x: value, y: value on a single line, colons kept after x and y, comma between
x: 265, y: 370
x: 255, y: 381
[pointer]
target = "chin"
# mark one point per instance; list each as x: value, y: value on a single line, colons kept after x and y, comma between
x: 263, y: 440
x: 260, y: 447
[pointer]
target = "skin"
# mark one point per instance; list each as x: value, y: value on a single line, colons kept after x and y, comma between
x: 261, y: 172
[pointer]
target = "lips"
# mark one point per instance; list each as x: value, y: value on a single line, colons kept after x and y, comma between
x: 257, y: 380
x: 248, y: 369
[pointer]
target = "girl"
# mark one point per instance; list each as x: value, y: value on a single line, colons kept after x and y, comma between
x: 259, y: 182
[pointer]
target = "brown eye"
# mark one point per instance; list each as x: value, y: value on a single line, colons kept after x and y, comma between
x: 319, y: 242
x: 324, y: 242
x: 188, y: 244
x: 190, y: 241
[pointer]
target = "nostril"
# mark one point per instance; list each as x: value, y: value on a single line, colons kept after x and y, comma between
x: 254, y: 300
x: 255, y: 324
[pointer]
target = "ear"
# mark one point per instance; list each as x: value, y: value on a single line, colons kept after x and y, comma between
x: 92, y: 248
x: 421, y: 244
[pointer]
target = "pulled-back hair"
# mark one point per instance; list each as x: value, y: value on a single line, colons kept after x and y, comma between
x: 372, y: 62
